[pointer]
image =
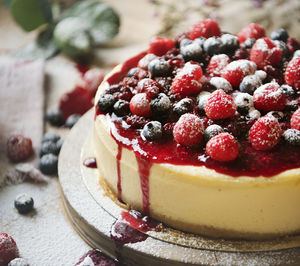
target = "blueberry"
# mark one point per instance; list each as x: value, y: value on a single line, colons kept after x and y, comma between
x: 152, y: 130
x: 185, y: 42
x: 280, y: 35
x: 185, y: 105
x: 287, y: 90
x: 59, y: 144
x: 51, y: 136
x: 54, y: 117
x: 250, y: 83
x: 159, y: 67
x: 211, y: 131
x: 18, y: 262
x: 213, y: 45
x: 249, y: 43
x: 48, y: 164
x: 200, y: 41
x: 121, y: 108
x: 23, y: 203
x: 244, y: 103
x: 132, y: 71
x: 191, y: 51
x: 48, y: 147
x: 292, y: 136
x: 278, y: 115
x: 106, y: 102
x: 221, y: 83
x: 230, y: 42
x: 161, y: 105
x: 253, y: 114
x: 72, y: 120
x: 283, y: 47
x: 202, y: 99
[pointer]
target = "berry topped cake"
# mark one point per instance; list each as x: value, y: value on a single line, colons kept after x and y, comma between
x: 203, y: 132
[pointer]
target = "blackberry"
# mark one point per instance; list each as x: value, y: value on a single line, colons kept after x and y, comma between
x: 288, y: 90
x: 249, y: 43
x: 54, y: 117
x: 48, y: 147
x: 211, y: 131
x: 213, y: 45
x: 159, y: 67
x: 280, y: 35
x: 185, y: 105
x: 161, y: 105
x: 250, y: 83
x: 24, y: 203
x: 50, y: 136
x: 121, y: 108
x: 48, y: 164
x: 18, y: 262
x: 106, y: 102
x: 132, y: 71
x: 191, y: 51
x: 292, y: 136
x: 72, y: 120
x: 152, y: 130
x: 230, y: 43
x: 244, y: 103
x: 135, y: 121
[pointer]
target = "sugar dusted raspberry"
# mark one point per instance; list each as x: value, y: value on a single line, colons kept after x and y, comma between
x: 265, y: 52
x: 216, y: 64
x: 8, y: 249
x: 93, y: 78
x: 77, y: 101
x: 159, y: 45
x: 145, y: 61
x: 235, y: 71
x: 265, y: 133
x: 140, y: 105
x: 292, y: 73
x: 220, y: 105
x: 222, y: 147
x: 253, y: 31
x: 205, y: 28
x: 19, y: 148
x: 145, y: 85
x: 188, y: 130
x: 269, y: 97
x: 188, y: 80
x: 295, y: 120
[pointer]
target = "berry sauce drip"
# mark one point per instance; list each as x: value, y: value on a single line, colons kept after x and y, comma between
x: 90, y: 162
x: 96, y: 257
x: 119, y: 185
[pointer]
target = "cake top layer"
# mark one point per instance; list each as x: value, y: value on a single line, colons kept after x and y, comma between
x: 229, y: 102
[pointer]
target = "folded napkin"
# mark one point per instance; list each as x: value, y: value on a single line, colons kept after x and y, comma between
x: 21, y: 106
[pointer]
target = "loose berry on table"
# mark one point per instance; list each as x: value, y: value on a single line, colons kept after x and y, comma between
x: 24, y: 203
x: 205, y: 28
x: 18, y: 148
x: 49, y: 147
x: 72, y: 120
x: 18, y: 262
x: 252, y: 30
x: 50, y: 136
x: 93, y: 78
x: 188, y: 130
x: 222, y: 147
x: 8, y: 249
x: 265, y: 133
x: 54, y: 117
x: 152, y: 130
x: 48, y: 164
x: 220, y: 105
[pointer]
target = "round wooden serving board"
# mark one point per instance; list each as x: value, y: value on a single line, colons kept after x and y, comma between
x: 92, y: 214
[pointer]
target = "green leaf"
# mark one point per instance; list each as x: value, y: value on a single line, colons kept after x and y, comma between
x: 44, y: 47
x: 6, y: 3
x: 30, y: 14
x: 104, y: 21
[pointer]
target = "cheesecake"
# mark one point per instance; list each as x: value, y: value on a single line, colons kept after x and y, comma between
x: 202, y: 132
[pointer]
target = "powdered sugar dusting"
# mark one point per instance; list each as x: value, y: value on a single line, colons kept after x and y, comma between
x: 246, y: 66
x: 221, y: 83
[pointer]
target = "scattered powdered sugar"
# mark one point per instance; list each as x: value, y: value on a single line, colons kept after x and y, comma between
x: 261, y: 74
x: 187, y: 70
x: 262, y: 45
x: 253, y: 114
x: 144, y: 62
x: 244, y: 100
x: 221, y: 83
x: 191, y: 49
x: 202, y: 99
x: 269, y: 90
x: 246, y: 66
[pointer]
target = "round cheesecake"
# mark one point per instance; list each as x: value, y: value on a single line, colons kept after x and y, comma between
x: 163, y: 178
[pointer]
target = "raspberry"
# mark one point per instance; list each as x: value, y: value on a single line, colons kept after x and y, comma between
x: 220, y: 105
x: 188, y: 80
x: 292, y: 73
x: 136, y: 121
x: 217, y: 64
x: 269, y: 97
x: 205, y: 28
x: 265, y: 133
x: 19, y: 148
x: 295, y: 120
x: 188, y: 130
x: 253, y: 31
x: 8, y: 249
x: 265, y: 52
x: 93, y: 79
x: 235, y: 71
x: 159, y: 45
x: 140, y: 105
x: 222, y: 147
x: 77, y: 101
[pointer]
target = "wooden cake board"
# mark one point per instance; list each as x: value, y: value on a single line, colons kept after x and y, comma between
x: 92, y: 214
